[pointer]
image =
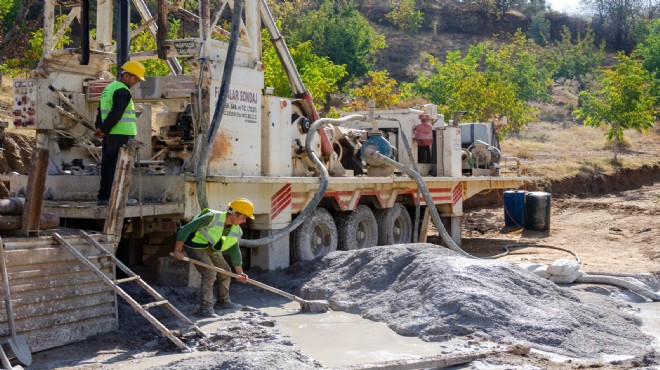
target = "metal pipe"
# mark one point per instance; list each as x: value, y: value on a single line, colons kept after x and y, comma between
x: 299, y: 89
x: 84, y: 37
x: 123, y: 34
x: 316, y: 199
x: 71, y: 116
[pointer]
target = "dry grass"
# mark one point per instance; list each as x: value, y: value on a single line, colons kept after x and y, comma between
x: 556, y: 152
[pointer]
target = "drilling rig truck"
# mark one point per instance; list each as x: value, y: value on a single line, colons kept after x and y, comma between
x: 211, y: 131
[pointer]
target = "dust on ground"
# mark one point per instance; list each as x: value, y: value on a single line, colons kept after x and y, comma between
x: 617, y: 232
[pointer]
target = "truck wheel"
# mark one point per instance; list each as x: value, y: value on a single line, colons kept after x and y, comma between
x: 315, y: 237
x: 394, y: 225
x: 357, y: 229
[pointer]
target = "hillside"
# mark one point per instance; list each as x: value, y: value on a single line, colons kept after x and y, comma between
x: 555, y: 147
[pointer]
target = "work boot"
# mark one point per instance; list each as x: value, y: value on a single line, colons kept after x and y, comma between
x: 223, y: 305
x: 206, y: 313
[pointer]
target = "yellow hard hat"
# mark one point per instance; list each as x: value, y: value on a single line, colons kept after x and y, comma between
x: 244, y: 206
x: 135, y: 68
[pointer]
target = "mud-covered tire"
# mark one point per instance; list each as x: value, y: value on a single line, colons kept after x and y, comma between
x: 357, y: 229
x: 315, y: 237
x: 394, y: 225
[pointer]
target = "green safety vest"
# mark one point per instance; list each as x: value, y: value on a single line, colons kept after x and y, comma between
x: 212, y: 233
x: 127, y: 125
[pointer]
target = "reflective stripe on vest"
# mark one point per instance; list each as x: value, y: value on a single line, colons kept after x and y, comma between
x: 212, y: 233
x: 127, y: 124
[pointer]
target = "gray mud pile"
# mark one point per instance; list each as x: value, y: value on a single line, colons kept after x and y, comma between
x: 433, y: 293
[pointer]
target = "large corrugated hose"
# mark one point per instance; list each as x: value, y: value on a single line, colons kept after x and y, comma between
x: 323, y: 185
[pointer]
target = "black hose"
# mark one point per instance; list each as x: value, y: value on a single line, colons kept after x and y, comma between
x: 203, y: 163
x: 316, y: 199
x: 428, y: 198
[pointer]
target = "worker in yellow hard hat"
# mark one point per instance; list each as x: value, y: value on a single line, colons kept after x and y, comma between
x: 205, y: 237
x: 116, y: 123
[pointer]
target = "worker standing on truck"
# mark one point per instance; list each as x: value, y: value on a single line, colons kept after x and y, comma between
x: 205, y: 237
x: 116, y: 123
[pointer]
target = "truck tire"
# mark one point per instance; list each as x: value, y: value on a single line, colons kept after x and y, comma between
x: 394, y: 225
x: 315, y: 237
x: 357, y: 229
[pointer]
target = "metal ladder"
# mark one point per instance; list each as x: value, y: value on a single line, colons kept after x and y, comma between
x: 142, y: 309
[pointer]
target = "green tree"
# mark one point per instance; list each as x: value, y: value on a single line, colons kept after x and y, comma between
x: 319, y: 74
x: 519, y: 60
x: 145, y: 41
x: 379, y: 88
x: 6, y: 6
x: 623, y: 102
x: 461, y: 84
x: 31, y: 57
x: 405, y: 16
x: 341, y: 33
x: 648, y: 49
x: 576, y: 60
x: 539, y: 28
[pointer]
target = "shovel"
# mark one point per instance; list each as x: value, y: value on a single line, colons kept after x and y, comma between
x: 17, y: 343
x: 305, y: 305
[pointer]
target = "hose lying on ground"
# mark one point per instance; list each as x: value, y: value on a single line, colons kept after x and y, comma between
x: 570, y: 275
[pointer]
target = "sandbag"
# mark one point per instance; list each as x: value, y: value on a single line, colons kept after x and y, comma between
x: 566, y: 279
x: 563, y: 267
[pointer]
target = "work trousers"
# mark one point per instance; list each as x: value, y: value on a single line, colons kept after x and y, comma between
x: 209, y: 276
x: 109, y: 157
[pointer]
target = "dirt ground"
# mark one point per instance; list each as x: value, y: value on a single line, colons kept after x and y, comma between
x: 616, y: 233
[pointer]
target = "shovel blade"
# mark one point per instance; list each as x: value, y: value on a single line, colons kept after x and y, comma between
x: 21, y: 350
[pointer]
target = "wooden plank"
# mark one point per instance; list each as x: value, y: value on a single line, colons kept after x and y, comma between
x: 425, y: 225
x: 35, y: 190
x: 56, y: 299
x: 121, y: 185
x: 42, y: 339
x: 62, y: 305
x: 64, y: 268
x: 58, y: 283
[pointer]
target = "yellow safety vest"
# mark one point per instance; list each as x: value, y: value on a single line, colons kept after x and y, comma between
x: 212, y: 233
x: 127, y: 125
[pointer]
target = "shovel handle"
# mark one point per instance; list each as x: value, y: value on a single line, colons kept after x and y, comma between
x: 5, y: 282
x: 250, y: 281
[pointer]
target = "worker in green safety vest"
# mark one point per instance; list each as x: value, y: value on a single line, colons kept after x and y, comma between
x: 205, y: 237
x: 116, y: 123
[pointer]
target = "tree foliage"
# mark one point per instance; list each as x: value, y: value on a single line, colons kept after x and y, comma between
x: 539, y: 28
x: 461, y: 84
x: 648, y: 49
x: 145, y: 41
x: 405, y: 16
x: 617, y: 20
x: 341, y: 33
x: 519, y: 60
x: 623, y: 102
x: 379, y: 88
x: 6, y: 7
x: 319, y: 74
x: 576, y: 59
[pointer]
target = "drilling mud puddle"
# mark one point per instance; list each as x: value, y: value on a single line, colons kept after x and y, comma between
x: 338, y: 339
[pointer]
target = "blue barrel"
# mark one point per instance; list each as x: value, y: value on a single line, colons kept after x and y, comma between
x: 514, y: 208
x: 537, y: 211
